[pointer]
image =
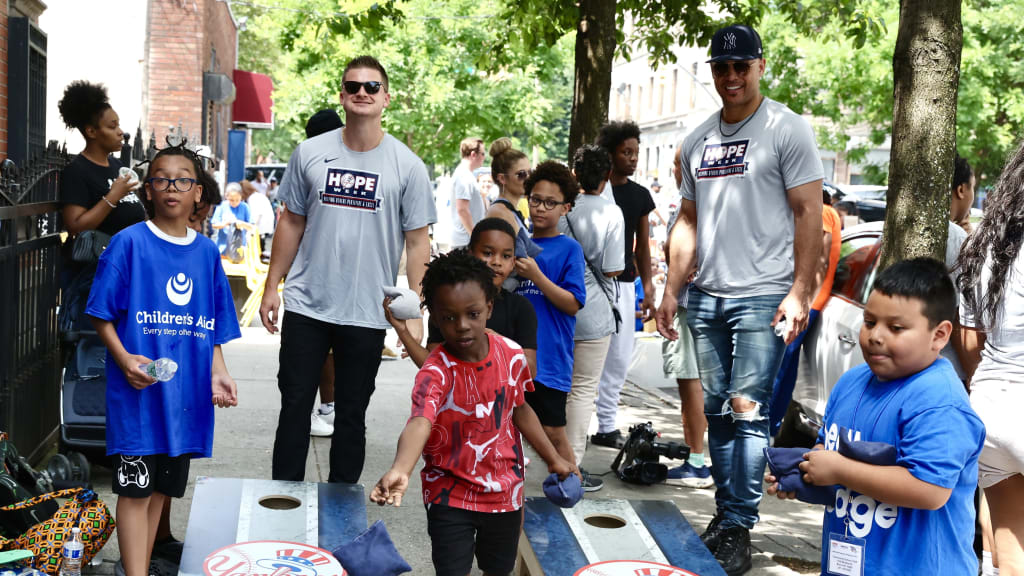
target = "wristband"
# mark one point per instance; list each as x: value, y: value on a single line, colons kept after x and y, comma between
x: 108, y: 202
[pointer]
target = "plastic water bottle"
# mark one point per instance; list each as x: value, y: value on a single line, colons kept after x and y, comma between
x: 781, y: 327
x: 162, y: 369
x: 71, y: 555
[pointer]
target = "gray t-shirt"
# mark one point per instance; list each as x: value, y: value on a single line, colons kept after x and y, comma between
x: 739, y: 182
x: 598, y: 226
x: 464, y: 188
x: 955, y: 239
x: 357, y: 205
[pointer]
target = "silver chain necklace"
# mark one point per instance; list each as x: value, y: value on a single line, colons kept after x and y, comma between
x: 737, y: 131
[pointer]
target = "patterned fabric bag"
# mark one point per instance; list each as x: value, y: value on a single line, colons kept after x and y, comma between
x: 83, y: 509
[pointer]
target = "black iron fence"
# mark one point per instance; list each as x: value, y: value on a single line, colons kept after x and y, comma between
x: 30, y: 264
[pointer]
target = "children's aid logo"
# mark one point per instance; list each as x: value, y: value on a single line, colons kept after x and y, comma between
x: 272, y: 558
x: 863, y: 511
x: 353, y: 189
x: 179, y: 289
x: 725, y: 159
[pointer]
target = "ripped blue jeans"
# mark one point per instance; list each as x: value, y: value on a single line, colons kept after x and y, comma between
x: 738, y: 356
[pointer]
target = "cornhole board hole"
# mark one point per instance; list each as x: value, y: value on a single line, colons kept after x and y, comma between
x: 611, y: 538
x: 293, y: 520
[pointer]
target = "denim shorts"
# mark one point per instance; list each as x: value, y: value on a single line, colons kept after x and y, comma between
x: 738, y: 353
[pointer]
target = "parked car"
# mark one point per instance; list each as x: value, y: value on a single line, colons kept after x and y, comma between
x: 276, y: 170
x: 832, y: 346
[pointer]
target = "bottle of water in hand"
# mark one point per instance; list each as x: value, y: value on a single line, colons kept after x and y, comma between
x: 162, y: 369
x: 72, y: 554
x: 781, y: 327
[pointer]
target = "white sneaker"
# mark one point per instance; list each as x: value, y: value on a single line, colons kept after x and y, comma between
x: 327, y: 417
x: 317, y: 427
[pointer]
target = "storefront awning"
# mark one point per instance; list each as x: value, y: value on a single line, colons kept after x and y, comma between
x: 252, y: 106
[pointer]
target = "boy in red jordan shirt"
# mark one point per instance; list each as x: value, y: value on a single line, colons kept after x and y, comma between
x: 468, y: 410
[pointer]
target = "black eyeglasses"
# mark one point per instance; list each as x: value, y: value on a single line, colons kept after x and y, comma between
x: 352, y: 87
x: 549, y: 204
x: 522, y: 175
x: 161, y: 184
x: 722, y: 68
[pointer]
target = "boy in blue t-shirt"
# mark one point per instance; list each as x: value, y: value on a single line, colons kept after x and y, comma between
x: 554, y: 284
x: 160, y: 292
x: 910, y: 511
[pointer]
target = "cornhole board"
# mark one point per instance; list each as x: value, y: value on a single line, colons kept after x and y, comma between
x: 611, y: 538
x: 228, y: 511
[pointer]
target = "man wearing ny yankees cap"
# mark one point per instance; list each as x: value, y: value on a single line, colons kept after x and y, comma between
x: 750, y: 224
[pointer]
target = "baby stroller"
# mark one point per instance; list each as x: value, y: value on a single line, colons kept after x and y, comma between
x: 83, y: 405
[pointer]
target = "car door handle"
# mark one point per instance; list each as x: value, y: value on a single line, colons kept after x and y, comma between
x: 847, y: 340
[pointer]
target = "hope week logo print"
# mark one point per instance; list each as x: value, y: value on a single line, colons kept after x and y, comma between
x: 725, y: 159
x: 351, y: 189
x: 179, y: 289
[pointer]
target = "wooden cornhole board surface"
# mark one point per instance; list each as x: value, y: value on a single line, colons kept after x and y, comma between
x: 588, y: 539
x: 227, y: 511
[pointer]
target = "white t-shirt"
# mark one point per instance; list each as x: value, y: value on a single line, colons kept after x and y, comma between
x: 738, y: 176
x: 261, y: 213
x: 954, y: 240
x: 357, y: 205
x: 598, y: 226
x: 1002, y: 358
x: 464, y: 187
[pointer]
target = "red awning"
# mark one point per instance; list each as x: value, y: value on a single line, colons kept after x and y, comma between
x: 253, y: 100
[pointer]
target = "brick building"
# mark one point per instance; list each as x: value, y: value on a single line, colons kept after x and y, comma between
x: 190, y: 56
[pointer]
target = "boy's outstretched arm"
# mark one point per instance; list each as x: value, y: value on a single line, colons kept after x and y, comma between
x: 560, y: 297
x: 128, y: 362
x: 393, y: 484
x: 529, y: 426
x: 225, y: 392
x: 890, y: 484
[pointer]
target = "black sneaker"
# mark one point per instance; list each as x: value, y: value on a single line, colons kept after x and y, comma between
x: 168, y: 549
x: 734, y: 550
x: 713, y: 534
x: 590, y: 483
x: 611, y: 439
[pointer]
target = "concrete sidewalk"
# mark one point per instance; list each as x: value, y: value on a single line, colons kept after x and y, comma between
x: 787, y: 540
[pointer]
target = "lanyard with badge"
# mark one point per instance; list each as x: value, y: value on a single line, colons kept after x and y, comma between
x: 845, y: 552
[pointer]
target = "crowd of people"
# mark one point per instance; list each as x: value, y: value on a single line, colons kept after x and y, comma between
x: 531, y: 329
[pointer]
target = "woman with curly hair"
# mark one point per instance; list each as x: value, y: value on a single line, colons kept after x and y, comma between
x: 991, y: 267
x: 95, y: 197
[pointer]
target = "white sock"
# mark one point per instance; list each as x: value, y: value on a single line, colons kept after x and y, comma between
x: 326, y: 407
x: 987, y: 569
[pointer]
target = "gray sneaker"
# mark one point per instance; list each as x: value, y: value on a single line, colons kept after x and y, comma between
x: 590, y: 483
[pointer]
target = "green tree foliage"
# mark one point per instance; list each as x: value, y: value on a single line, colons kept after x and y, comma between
x: 433, y: 52
x: 828, y: 75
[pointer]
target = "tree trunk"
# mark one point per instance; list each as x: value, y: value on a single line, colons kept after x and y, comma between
x: 926, y: 71
x: 595, y: 50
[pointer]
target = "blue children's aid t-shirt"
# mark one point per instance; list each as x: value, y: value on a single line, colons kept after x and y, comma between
x: 938, y: 437
x: 167, y: 301
x: 562, y: 262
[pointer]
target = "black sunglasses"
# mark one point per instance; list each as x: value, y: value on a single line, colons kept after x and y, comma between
x: 522, y: 175
x: 352, y: 87
x: 161, y: 184
x: 722, y: 68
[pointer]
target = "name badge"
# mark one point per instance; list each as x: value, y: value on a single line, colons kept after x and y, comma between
x: 845, y: 555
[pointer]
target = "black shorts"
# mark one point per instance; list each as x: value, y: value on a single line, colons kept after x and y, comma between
x: 140, y: 476
x: 548, y: 403
x: 457, y: 534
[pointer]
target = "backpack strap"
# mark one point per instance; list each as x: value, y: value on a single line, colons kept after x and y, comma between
x: 67, y: 493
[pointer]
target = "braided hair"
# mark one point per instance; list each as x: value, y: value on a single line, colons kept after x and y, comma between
x: 999, y: 237
x: 211, y: 191
x: 457, y: 267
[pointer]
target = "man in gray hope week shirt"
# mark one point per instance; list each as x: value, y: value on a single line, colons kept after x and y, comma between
x: 750, y: 222
x: 352, y: 195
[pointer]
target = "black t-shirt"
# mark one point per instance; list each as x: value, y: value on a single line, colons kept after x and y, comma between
x: 83, y: 183
x: 636, y: 203
x: 513, y: 317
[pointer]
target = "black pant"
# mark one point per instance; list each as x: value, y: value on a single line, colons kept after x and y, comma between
x: 304, y: 346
